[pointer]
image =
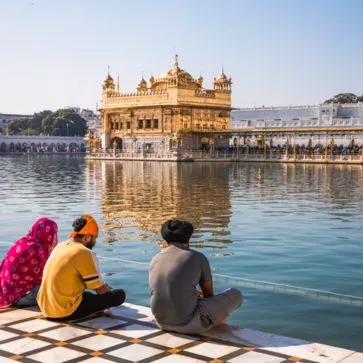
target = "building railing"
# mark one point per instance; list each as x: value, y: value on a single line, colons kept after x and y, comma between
x: 284, y: 123
x: 133, y: 155
x: 317, y: 156
x: 308, y: 156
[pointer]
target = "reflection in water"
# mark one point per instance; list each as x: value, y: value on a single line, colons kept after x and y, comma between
x: 287, y: 185
x: 137, y: 197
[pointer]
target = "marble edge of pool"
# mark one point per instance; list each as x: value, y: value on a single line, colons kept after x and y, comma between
x: 24, y: 330
x: 234, y: 334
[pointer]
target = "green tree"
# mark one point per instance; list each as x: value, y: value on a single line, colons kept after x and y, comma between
x: 63, y: 122
x: 29, y: 132
x: 16, y: 126
x: 47, y: 124
x: 36, y: 120
x: 343, y: 98
x: 68, y: 123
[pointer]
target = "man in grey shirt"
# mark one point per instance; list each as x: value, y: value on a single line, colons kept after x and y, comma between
x: 174, y: 275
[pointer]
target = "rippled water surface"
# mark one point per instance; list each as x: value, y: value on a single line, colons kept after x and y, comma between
x: 288, y: 224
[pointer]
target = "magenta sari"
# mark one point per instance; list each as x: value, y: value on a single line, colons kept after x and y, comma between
x: 22, y: 268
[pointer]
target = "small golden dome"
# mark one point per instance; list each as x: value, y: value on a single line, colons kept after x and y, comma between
x: 142, y: 86
x: 108, y: 82
x: 222, y: 78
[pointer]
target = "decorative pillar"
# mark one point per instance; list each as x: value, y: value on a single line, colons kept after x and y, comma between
x: 294, y: 147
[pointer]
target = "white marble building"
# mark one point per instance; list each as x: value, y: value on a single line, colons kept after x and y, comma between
x: 323, y: 115
x: 331, y: 116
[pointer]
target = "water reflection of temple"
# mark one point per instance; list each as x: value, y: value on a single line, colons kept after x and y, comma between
x: 138, y: 197
x: 286, y: 184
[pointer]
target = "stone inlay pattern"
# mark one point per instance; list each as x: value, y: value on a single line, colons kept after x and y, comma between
x: 125, y: 334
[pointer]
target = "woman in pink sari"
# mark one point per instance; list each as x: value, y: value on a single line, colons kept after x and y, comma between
x: 22, y: 268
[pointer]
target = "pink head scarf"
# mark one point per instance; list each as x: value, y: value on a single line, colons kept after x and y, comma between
x: 22, y: 267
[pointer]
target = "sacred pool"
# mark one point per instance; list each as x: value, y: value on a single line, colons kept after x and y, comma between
x: 263, y: 226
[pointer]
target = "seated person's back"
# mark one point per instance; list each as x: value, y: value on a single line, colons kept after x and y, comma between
x: 70, y: 269
x: 22, y: 268
x: 70, y: 272
x: 174, y: 275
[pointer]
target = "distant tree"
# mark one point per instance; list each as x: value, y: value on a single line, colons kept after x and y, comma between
x: 63, y: 122
x: 47, y: 124
x: 36, y: 120
x: 17, y: 126
x: 68, y: 123
x: 29, y: 132
x: 360, y: 98
x: 343, y: 98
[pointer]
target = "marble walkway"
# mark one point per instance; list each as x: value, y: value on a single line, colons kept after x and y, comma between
x: 128, y: 334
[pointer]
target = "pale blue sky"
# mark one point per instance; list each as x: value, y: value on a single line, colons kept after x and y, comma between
x: 278, y: 52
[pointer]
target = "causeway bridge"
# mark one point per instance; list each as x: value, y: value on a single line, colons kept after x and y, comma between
x: 17, y: 143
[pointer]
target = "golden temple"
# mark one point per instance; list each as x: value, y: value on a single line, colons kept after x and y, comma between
x: 170, y: 112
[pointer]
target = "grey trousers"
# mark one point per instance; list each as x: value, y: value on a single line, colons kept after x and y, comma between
x: 210, y: 312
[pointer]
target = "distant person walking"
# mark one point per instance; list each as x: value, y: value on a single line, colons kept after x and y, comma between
x: 71, y: 269
x: 174, y: 275
x: 22, y: 268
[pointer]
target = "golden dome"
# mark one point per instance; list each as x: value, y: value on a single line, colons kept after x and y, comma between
x: 142, y: 86
x: 108, y: 82
x: 222, y: 82
x: 222, y: 78
x: 175, y: 77
x: 142, y: 81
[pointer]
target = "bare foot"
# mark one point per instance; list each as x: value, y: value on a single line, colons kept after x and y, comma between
x: 223, y: 322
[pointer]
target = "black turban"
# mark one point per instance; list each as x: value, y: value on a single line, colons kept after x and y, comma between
x: 175, y: 230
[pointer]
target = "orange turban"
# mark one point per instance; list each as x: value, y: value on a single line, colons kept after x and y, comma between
x: 90, y: 228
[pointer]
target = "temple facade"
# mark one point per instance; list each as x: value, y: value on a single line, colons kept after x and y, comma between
x: 172, y: 112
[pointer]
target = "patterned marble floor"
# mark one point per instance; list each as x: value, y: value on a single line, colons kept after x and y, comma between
x: 128, y: 334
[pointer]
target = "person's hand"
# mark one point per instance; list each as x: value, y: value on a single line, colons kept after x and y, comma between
x: 105, y: 288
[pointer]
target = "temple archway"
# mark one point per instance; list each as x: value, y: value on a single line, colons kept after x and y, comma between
x: 204, y: 143
x: 73, y: 147
x: 24, y: 147
x: 116, y: 143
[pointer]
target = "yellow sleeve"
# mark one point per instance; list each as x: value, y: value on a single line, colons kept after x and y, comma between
x: 89, y: 270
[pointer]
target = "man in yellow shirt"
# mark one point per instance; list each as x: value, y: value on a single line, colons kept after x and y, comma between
x: 71, y: 269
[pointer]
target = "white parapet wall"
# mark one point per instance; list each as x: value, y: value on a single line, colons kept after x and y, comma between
x: 18, y: 143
